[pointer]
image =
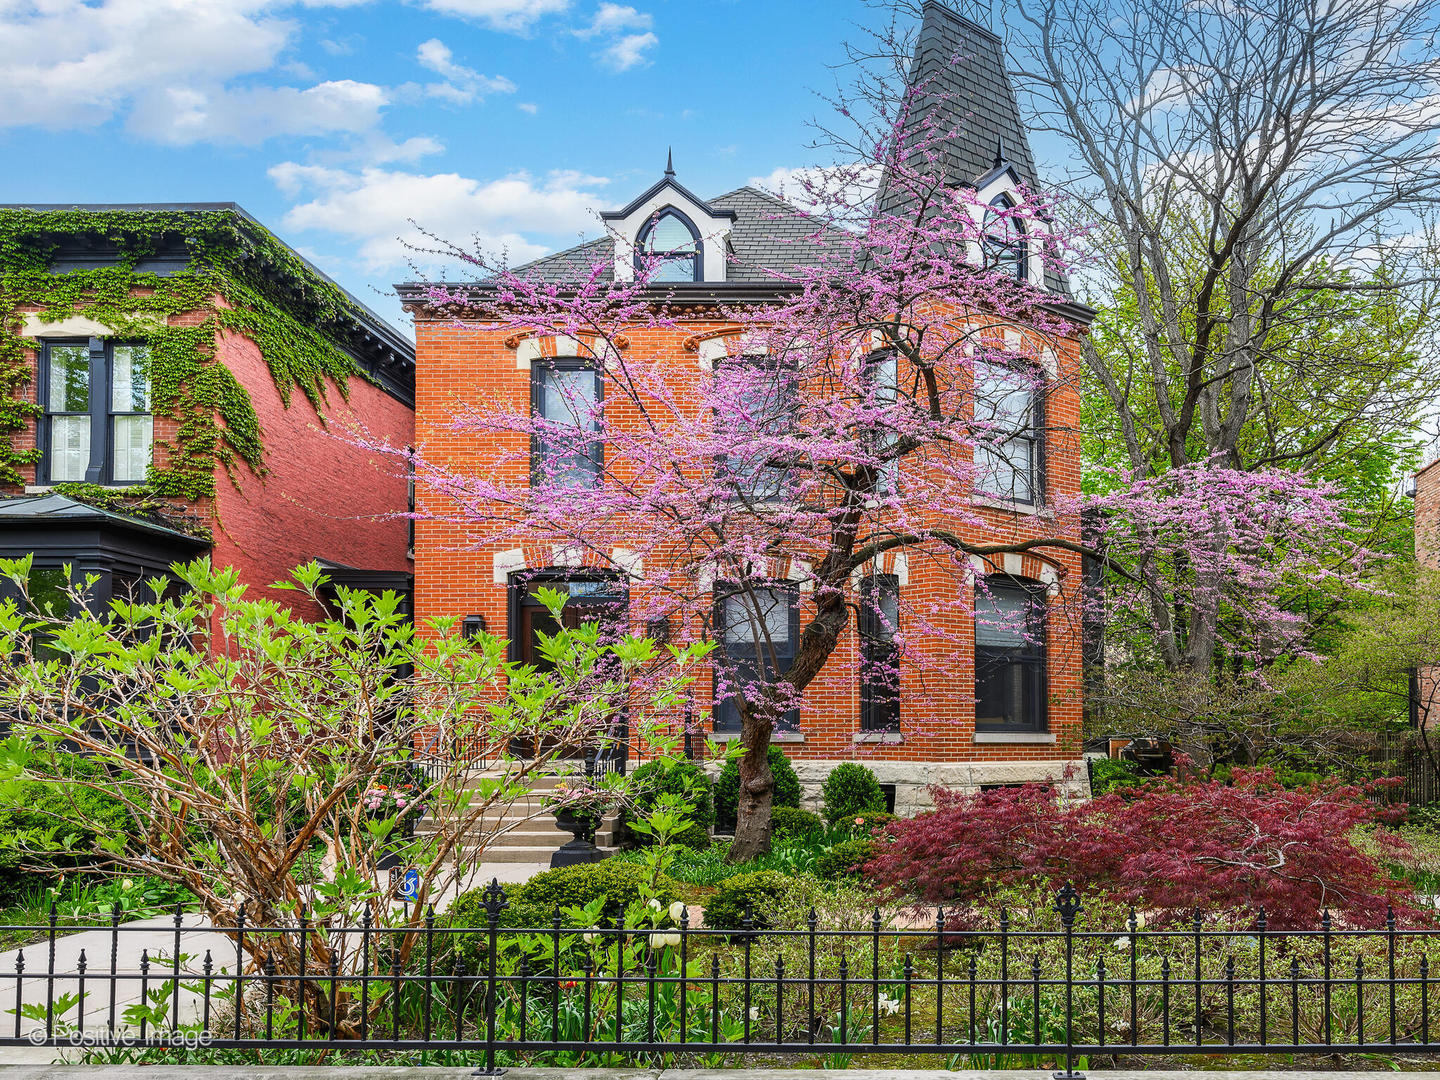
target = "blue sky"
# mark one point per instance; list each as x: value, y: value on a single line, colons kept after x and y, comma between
x: 335, y: 121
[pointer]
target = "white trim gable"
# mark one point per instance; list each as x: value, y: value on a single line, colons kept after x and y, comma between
x: 1007, y: 182
x: 714, y: 231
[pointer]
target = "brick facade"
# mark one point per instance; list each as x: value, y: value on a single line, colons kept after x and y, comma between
x: 937, y: 743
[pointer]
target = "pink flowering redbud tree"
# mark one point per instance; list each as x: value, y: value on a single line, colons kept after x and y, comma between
x: 855, y: 415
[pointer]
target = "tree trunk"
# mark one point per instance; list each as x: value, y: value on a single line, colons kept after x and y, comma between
x: 757, y: 789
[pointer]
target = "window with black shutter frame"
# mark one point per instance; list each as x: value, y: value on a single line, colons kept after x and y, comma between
x: 1010, y: 654
x: 879, y: 621
x: 566, y: 395
x: 758, y: 628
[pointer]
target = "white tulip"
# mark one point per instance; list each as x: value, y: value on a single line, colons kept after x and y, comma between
x: 677, y: 911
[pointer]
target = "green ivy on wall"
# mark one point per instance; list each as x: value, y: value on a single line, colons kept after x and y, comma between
x: 239, y: 278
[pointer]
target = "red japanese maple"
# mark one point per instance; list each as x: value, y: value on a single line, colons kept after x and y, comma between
x: 1172, y: 849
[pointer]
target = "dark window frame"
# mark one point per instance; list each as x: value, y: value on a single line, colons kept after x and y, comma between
x: 1034, y: 434
x: 538, y: 368
x: 1016, y: 249
x: 101, y: 467
x: 720, y: 708
x: 1033, y: 655
x: 888, y: 482
x: 734, y: 491
x: 879, y: 698
x: 658, y: 258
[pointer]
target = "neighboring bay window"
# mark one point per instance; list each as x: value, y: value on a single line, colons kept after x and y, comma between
x: 565, y: 398
x: 758, y: 627
x: 1007, y: 432
x: 1010, y: 635
x: 97, y: 426
x: 879, y: 621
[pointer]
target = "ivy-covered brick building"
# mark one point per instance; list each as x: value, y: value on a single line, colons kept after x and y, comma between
x: 174, y: 382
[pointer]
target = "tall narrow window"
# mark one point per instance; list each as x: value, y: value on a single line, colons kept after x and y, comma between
x: 565, y: 451
x: 882, y: 371
x: 1005, y: 247
x: 879, y: 622
x: 758, y: 628
x: 98, y: 427
x: 758, y: 396
x: 131, y: 425
x: 1007, y: 432
x: 1010, y: 652
x: 669, y: 249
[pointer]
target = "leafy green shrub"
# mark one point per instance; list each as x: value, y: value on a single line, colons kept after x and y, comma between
x: 851, y: 789
x: 758, y: 893
x: 727, y: 787
x: 671, y: 776
x: 1425, y: 817
x: 864, y: 825
x: 791, y: 821
x: 1112, y: 774
x: 32, y: 814
x: 845, y: 859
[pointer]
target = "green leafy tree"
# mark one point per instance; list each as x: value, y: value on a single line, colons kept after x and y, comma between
x: 262, y: 759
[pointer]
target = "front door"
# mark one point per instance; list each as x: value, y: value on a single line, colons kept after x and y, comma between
x: 598, y: 598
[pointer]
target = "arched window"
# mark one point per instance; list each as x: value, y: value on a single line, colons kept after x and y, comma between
x: 669, y: 247
x: 1005, y: 247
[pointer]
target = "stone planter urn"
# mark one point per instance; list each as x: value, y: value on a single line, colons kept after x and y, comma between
x: 580, y: 848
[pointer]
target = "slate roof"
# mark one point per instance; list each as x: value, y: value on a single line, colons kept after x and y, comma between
x: 769, y: 236
x: 963, y: 65
x: 969, y: 95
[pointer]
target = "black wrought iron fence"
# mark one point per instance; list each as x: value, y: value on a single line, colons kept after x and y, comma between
x: 1025, y: 988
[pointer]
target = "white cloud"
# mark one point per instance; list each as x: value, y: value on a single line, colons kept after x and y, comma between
x: 628, y: 33
x: 168, y: 68
x: 511, y: 16
x: 184, y: 115
x: 462, y: 85
x: 372, y: 208
x: 616, y: 18
x: 528, y: 107
x: 628, y: 51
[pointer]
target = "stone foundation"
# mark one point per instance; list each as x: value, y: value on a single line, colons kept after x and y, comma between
x: 914, y: 779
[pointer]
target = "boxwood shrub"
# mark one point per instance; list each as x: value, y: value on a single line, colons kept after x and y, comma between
x: 727, y: 787
x: 844, y: 859
x: 668, y: 776
x: 851, y: 789
x: 758, y: 892
x: 790, y: 821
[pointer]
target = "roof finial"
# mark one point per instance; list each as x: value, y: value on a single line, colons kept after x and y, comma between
x: 669, y: 161
x: 1000, y: 158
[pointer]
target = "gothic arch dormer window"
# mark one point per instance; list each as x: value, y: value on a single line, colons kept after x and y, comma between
x: 1006, y: 248
x: 669, y: 247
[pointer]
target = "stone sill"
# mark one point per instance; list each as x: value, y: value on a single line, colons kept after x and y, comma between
x: 775, y: 736
x: 1034, y: 738
x: 1023, y: 509
x: 888, y: 738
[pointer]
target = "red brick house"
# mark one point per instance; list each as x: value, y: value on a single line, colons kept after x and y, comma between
x: 181, y: 383
x: 1019, y: 718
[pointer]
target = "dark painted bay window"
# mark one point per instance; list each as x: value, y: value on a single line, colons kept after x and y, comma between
x: 758, y: 628
x: 1010, y: 653
x: 879, y: 653
x: 565, y: 396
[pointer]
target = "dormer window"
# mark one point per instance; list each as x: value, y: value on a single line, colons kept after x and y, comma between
x: 669, y: 249
x: 1005, y: 248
